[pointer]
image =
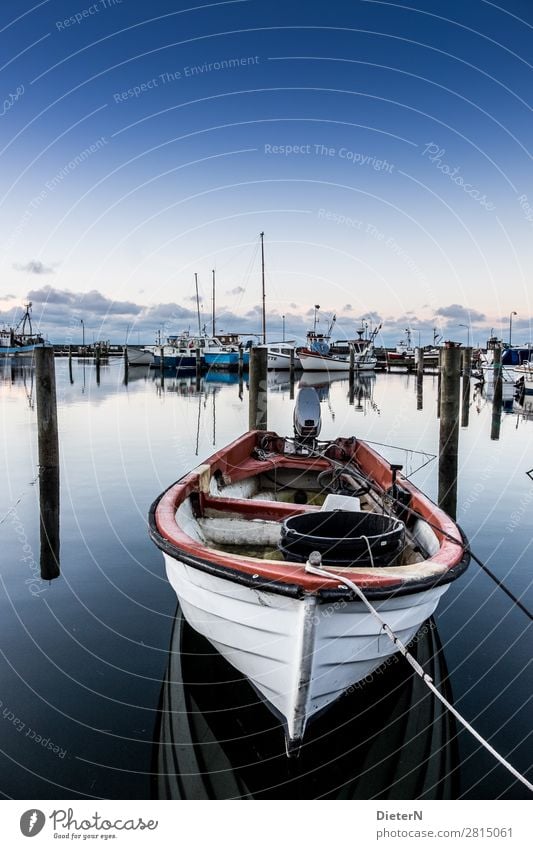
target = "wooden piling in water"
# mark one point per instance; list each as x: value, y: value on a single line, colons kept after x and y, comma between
x: 351, y: 365
x: 48, y: 452
x: 257, y: 409
x: 240, y: 364
x: 126, y: 365
x: 97, y: 356
x: 449, y: 428
x: 439, y: 382
x: 465, y: 394
x: 292, y: 358
x: 419, y: 362
x: 419, y: 378
x: 497, y: 398
x: 70, y: 364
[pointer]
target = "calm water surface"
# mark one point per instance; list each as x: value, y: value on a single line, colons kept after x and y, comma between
x: 106, y: 693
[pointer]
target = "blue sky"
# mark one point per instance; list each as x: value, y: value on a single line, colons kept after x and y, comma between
x: 383, y: 147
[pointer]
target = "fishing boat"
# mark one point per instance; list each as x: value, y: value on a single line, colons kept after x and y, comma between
x: 404, y: 349
x: 240, y: 535
x: 318, y: 355
x: 313, y: 360
x: 180, y: 350
x: 279, y: 355
x: 227, y: 354
x: 21, y: 341
x: 405, y: 352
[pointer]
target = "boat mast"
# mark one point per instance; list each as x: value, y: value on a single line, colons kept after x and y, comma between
x: 26, y: 318
x: 262, y: 235
x: 213, y: 319
x: 197, y: 304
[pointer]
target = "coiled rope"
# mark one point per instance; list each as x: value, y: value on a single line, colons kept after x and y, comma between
x: 314, y: 567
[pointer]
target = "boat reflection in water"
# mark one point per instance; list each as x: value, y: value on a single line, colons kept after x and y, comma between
x: 360, y: 391
x: 389, y: 738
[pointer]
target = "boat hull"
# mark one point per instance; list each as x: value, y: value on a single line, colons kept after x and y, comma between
x: 300, y: 654
x: 282, y: 362
x: 22, y: 350
x: 184, y: 361
x: 226, y: 359
x: 311, y: 361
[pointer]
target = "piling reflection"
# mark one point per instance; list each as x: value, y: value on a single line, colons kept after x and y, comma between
x: 465, y: 399
x: 387, y: 739
x: 360, y: 392
x: 49, y: 522
x: 48, y: 449
x: 496, y: 420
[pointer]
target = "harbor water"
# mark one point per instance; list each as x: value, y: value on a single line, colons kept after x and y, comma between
x: 107, y: 692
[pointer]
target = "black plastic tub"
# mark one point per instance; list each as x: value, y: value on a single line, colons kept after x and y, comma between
x: 339, y: 536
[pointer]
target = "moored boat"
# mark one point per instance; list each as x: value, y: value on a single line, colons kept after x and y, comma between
x: 226, y: 358
x: 215, y: 739
x: 317, y: 355
x: 21, y: 341
x: 315, y: 361
x: 279, y: 355
x: 180, y: 351
x: 237, y: 533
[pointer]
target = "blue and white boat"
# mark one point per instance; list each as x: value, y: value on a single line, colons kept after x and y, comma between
x: 21, y: 341
x: 227, y: 355
x: 226, y: 358
x: 180, y: 351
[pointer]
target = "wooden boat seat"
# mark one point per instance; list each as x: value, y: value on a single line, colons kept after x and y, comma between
x: 270, y: 511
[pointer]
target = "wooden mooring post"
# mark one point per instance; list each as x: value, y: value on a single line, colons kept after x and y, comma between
x: 257, y: 410
x: 419, y: 378
x: 48, y: 452
x: 70, y: 364
x: 439, y: 373
x: 126, y: 365
x: 465, y: 395
x: 97, y: 357
x: 351, y: 364
x: 450, y: 370
x: 291, y: 374
x: 240, y: 363
x: 497, y: 398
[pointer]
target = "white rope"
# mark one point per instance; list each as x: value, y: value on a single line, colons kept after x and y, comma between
x: 314, y: 569
x: 12, y: 509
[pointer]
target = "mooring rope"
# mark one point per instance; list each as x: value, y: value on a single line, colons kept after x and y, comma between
x: 14, y: 506
x: 314, y: 567
x: 347, y: 467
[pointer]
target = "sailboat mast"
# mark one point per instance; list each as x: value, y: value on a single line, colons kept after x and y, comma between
x: 213, y: 319
x: 197, y: 304
x: 262, y: 235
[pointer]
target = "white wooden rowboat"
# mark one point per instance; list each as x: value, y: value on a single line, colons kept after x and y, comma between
x: 302, y: 640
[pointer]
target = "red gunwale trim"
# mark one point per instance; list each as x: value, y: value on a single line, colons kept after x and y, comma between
x: 235, y: 463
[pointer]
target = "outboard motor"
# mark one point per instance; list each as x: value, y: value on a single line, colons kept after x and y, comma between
x: 306, y: 418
